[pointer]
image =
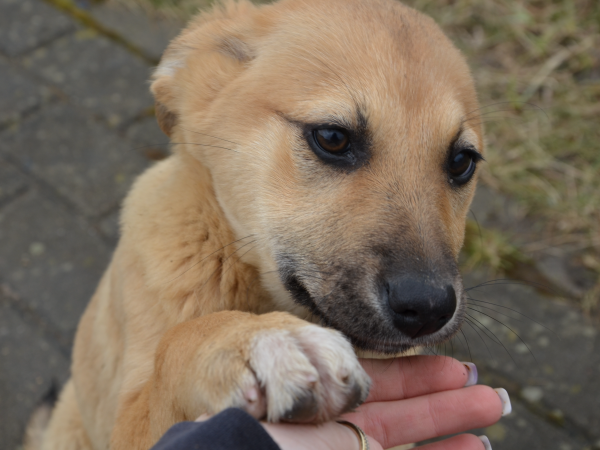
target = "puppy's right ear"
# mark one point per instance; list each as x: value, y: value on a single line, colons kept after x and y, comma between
x: 213, y: 49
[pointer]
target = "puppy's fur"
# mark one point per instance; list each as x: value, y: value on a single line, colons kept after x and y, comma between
x: 232, y: 244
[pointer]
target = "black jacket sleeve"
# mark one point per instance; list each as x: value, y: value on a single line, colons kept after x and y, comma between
x: 232, y: 429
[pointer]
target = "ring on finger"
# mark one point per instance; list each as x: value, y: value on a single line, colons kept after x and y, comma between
x: 362, y: 437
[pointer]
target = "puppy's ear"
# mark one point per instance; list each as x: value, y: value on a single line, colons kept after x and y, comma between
x: 205, y: 57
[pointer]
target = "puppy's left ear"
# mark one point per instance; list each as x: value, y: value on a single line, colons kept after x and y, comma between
x: 213, y: 50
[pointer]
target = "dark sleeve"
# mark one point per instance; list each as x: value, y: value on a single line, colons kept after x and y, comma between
x: 232, y: 429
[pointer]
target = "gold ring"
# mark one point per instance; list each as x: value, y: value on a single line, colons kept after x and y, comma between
x: 362, y: 437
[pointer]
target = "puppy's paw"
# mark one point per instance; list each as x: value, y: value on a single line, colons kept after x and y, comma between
x: 308, y: 374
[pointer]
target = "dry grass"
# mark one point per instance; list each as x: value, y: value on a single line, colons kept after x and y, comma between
x: 537, y: 67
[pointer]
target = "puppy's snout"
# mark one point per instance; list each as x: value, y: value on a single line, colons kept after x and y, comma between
x: 420, y: 308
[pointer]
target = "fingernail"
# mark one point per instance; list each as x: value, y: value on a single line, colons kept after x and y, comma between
x: 472, y: 370
x: 486, y: 442
x: 506, y: 406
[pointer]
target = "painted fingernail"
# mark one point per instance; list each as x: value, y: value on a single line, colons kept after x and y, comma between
x: 486, y: 442
x: 472, y: 370
x: 506, y: 406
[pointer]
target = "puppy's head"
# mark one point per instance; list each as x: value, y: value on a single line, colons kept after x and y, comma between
x: 343, y: 139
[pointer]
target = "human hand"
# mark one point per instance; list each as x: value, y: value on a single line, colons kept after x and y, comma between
x: 412, y: 399
x: 421, y: 397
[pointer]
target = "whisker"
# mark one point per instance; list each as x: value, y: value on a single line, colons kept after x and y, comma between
x: 431, y: 350
x: 486, y: 106
x: 239, y: 258
x: 497, y: 312
x: 508, y: 281
x: 224, y: 261
x: 513, y: 310
x: 208, y: 256
x: 489, y: 119
x: 165, y: 144
x: 389, y: 365
x: 487, y: 113
x: 252, y: 284
x: 205, y: 145
x: 486, y: 330
x: 504, y: 325
x: 478, y: 227
x: 533, y: 105
x: 474, y: 327
x: 209, y: 135
x: 467, y: 342
x: 317, y: 271
x: 313, y: 276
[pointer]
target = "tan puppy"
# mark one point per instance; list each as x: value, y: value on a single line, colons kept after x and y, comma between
x: 324, y: 160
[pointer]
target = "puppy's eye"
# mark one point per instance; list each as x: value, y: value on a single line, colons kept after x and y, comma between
x: 462, y: 166
x: 332, y: 140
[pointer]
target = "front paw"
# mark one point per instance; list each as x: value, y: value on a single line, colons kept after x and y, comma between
x: 306, y: 374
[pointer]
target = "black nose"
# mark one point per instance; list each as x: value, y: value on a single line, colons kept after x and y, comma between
x: 420, y: 308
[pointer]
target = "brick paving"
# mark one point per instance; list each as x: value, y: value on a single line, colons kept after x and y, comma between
x: 74, y: 132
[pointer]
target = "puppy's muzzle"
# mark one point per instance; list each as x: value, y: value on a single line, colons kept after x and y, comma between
x: 419, y: 308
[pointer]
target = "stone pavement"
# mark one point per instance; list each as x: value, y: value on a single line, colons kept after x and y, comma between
x: 76, y: 127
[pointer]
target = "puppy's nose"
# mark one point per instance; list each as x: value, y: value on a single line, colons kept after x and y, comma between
x: 420, y: 308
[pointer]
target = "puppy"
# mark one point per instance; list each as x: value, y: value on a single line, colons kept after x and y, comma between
x: 324, y: 158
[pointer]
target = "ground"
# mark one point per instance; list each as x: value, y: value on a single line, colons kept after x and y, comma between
x: 76, y: 127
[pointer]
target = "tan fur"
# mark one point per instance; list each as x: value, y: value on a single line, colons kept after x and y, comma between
x: 185, y: 307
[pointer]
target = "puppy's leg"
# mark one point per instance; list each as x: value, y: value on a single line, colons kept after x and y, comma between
x: 65, y: 430
x: 274, y: 366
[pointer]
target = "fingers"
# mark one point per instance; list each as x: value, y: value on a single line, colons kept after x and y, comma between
x: 328, y: 436
x: 439, y: 414
x: 460, y: 442
x: 415, y: 375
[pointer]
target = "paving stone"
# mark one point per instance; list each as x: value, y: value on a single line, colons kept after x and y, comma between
x: 86, y: 162
x: 148, y: 139
x: 149, y: 34
x: 27, y: 24
x: 560, y: 267
x: 555, y: 359
x: 51, y: 259
x: 30, y: 365
x: 11, y: 182
x: 523, y: 430
x: 18, y: 94
x: 95, y: 73
x: 566, y: 269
